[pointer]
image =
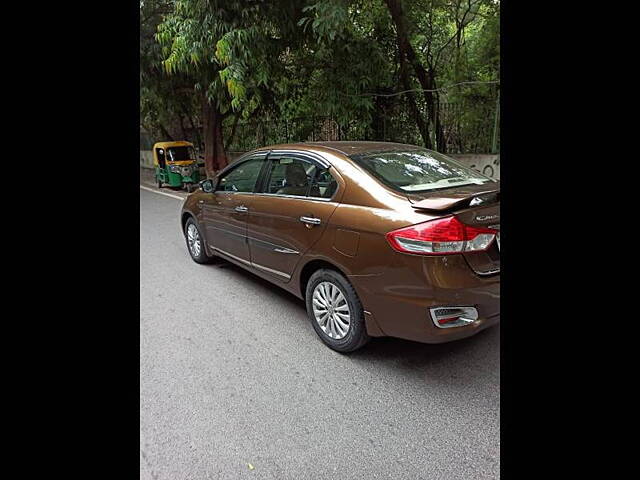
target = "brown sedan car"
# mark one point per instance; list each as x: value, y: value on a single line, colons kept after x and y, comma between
x: 379, y: 239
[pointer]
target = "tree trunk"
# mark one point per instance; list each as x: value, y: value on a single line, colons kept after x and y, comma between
x: 215, y: 157
x: 165, y: 133
x: 435, y: 117
x: 425, y: 78
x: 423, y: 127
x: 182, y: 129
x: 233, y: 131
x: 195, y: 133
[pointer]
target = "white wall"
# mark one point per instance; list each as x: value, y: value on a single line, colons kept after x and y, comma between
x: 146, y: 158
x: 487, y: 164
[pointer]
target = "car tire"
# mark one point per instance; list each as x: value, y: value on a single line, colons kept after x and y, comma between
x: 332, y: 333
x: 195, y: 243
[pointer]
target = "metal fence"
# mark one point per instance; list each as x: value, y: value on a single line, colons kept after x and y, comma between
x: 466, y: 129
x: 471, y: 129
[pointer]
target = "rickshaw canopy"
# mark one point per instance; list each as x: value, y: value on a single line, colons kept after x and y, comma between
x: 165, y: 146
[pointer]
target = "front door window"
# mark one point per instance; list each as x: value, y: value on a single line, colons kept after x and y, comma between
x: 242, y: 178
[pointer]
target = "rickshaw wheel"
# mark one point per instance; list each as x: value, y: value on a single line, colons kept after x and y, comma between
x: 159, y: 183
x: 189, y: 188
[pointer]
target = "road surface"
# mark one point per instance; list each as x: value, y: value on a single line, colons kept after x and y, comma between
x: 234, y: 383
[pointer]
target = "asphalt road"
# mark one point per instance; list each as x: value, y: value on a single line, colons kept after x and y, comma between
x: 234, y: 383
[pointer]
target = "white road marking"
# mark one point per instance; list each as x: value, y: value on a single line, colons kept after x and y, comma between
x: 161, y: 193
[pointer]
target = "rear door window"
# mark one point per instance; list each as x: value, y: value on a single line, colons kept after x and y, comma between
x: 297, y: 177
x: 290, y: 176
x: 324, y: 185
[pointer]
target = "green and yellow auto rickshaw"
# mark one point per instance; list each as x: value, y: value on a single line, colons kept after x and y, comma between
x: 176, y: 165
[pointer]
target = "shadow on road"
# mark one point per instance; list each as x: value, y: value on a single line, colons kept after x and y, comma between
x: 272, y: 289
x: 462, y: 362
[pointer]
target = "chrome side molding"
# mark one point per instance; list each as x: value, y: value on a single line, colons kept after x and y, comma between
x: 252, y: 264
x: 284, y: 250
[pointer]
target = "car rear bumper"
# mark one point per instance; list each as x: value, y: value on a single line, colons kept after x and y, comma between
x: 398, y: 301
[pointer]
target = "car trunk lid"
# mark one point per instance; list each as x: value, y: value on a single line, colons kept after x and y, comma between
x: 475, y: 205
x: 455, y: 198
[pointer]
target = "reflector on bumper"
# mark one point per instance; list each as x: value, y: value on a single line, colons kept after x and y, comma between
x: 449, y: 317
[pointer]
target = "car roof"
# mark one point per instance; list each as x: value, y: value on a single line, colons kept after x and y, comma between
x: 346, y: 147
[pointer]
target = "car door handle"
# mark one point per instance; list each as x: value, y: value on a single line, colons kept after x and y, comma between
x: 310, y: 220
x: 242, y: 208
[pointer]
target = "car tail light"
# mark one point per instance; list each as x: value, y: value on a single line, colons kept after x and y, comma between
x: 448, y: 317
x: 440, y: 237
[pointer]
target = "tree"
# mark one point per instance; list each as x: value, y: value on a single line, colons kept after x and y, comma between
x: 229, y: 51
x: 377, y: 67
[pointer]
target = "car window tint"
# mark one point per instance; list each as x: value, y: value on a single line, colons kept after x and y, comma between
x: 242, y: 178
x: 324, y: 185
x: 290, y: 176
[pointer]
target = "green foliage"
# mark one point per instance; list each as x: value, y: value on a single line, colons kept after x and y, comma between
x: 328, y: 18
x: 286, y: 59
x: 164, y: 100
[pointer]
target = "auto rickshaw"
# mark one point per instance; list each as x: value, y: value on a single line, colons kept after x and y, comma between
x: 176, y: 165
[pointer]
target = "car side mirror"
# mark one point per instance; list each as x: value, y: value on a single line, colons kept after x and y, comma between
x: 208, y: 185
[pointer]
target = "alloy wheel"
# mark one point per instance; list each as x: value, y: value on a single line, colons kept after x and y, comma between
x: 331, y: 310
x: 193, y: 238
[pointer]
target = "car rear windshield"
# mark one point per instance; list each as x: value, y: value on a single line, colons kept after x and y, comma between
x: 178, y: 154
x: 418, y: 170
